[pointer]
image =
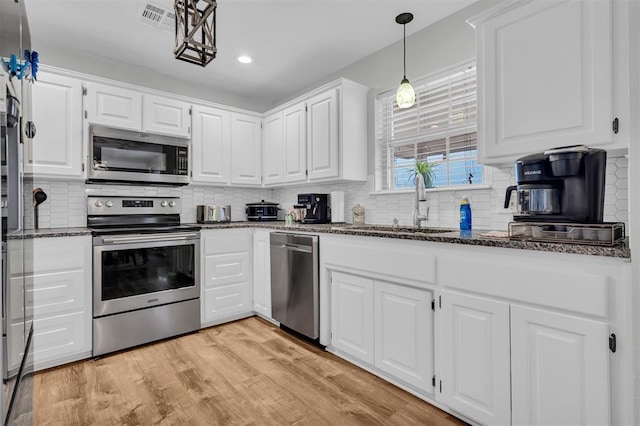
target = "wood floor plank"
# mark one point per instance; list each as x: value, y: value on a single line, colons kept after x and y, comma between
x: 247, y: 372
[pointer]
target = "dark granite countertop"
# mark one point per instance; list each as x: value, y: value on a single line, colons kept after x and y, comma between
x: 48, y: 233
x: 438, y: 235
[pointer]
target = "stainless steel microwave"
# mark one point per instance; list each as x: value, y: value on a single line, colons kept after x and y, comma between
x: 133, y: 157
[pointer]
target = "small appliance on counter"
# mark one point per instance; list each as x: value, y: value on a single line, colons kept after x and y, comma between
x: 262, y: 211
x: 316, y: 208
x: 213, y: 214
x: 563, y: 184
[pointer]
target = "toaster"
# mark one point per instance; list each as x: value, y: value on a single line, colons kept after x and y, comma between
x: 213, y: 214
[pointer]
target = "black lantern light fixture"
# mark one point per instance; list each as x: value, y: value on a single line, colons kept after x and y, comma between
x: 405, y: 96
x: 195, y: 31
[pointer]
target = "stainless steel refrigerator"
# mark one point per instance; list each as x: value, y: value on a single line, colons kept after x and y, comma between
x: 17, y: 306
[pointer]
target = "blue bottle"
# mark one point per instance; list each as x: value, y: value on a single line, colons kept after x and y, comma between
x: 465, y: 215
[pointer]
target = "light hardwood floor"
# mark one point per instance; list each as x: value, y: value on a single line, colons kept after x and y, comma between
x: 247, y: 372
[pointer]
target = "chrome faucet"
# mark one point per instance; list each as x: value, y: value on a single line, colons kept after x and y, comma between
x: 420, y: 195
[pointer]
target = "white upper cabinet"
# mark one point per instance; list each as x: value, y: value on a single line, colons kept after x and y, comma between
x: 284, y: 146
x: 113, y: 106
x: 547, y: 77
x: 246, y: 160
x: 211, y: 145
x: 132, y: 110
x: 165, y: 116
x: 295, y: 143
x: 322, y: 134
x: 56, y: 150
x: 272, y: 149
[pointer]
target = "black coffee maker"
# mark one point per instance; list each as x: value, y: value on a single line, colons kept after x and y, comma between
x: 563, y: 184
x: 316, y: 208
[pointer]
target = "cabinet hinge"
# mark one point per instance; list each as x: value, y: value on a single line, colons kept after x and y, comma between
x: 433, y: 381
x: 615, y: 125
x: 190, y: 173
x: 306, y: 172
x: 440, y: 302
x: 440, y: 386
x: 612, y: 343
x: 433, y: 308
x: 190, y: 111
x: 306, y: 108
x: 83, y: 167
x: 85, y: 115
x: 84, y: 90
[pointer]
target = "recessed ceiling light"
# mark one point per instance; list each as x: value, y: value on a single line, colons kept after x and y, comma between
x: 245, y: 59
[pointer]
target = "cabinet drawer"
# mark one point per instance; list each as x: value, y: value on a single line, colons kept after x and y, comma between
x: 225, y: 301
x: 224, y: 241
x: 60, y: 337
x: 224, y: 269
x: 57, y: 293
x: 52, y: 254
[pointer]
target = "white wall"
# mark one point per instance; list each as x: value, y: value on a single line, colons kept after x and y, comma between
x: 102, y: 67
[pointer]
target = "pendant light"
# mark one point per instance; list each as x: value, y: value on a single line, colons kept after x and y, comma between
x: 405, y: 96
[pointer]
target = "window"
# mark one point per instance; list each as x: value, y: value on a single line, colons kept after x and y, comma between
x: 440, y: 129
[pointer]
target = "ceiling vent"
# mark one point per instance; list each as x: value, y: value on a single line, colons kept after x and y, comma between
x: 157, y: 17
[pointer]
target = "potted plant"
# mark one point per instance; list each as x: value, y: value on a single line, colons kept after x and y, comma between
x: 426, y: 169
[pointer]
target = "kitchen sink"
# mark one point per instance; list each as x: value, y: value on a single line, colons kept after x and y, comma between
x: 393, y: 229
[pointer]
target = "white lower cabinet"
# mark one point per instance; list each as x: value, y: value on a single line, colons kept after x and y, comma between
x: 262, y: 273
x: 227, y: 275
x: 386, y: 325
x: 404, y: 333
x: 475, y: 362
x: 59, y: 287
x: 511, y: 364
x: 559, y: 369
x: 352, y: 315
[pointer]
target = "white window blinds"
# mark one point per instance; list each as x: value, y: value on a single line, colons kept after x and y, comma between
x: 440, y: 128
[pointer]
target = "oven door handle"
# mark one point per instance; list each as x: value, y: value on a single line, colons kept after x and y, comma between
x: 150, y: 238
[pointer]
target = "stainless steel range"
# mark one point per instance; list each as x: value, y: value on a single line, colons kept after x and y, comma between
x: 146, y: 271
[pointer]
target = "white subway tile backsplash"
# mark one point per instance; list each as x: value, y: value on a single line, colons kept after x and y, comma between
x: 66, y: 202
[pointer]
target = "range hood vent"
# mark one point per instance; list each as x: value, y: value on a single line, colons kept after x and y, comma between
x: 158, y: 17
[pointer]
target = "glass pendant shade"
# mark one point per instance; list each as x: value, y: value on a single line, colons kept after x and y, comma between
x: 405, y: 96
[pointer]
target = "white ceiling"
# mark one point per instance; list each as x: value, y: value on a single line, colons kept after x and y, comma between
x: 294, y: 43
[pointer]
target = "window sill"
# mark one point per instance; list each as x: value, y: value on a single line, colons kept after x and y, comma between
x: 428, y: 190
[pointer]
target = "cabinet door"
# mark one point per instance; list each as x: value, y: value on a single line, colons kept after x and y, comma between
x: 272, y: 149
x: 352, y: 315
x: 166, y: 116
x: 295, y: 143
x: 56, y: 149
x: 113, y: 106
x: 545, y: 77
x: 404, y: 333
x: 261, y: 274
x: 560, y: 369
x: 245, y: 149
x: 322, y: 135
x: 475, y: 375
x: 211, y: 145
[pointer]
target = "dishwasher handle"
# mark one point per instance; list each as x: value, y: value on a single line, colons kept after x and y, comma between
x: 293, y: 247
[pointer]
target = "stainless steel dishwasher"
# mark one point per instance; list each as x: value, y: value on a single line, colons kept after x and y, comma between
x: 294, y: 282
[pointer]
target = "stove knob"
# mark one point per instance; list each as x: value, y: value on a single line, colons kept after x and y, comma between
x: 99, y: 203
x: 109, y: 204
x: 172, y: 203
x: 164, y: 203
